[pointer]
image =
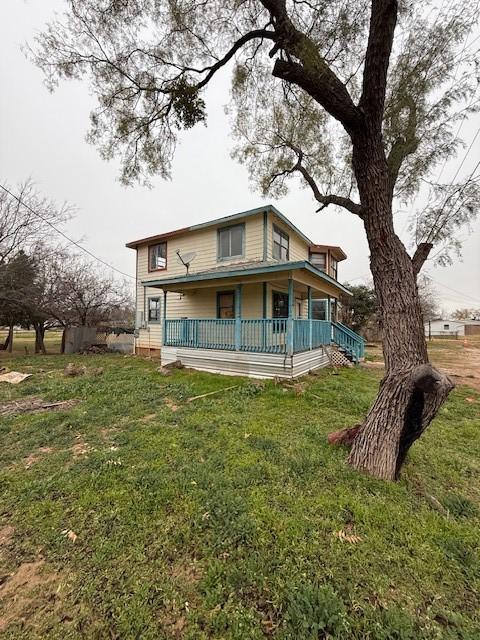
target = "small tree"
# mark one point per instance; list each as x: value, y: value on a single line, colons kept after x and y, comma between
x: 77, y: 293
x: 358, y: 309
x: 466, y: 314
x: 364, y: 112
x: 428, y: 299
x: 17, y: 287
x: 27, y: 219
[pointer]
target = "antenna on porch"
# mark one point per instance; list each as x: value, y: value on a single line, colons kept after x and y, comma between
x: 186, y: 259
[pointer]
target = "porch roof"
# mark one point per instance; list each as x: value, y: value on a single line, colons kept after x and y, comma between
x: 247, y: 269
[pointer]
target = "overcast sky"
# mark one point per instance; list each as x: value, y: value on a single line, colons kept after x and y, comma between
x: 43, y: 137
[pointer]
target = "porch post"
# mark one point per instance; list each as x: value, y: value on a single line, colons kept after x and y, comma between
x: 291, y: 302
x: 238, y: 317
x: 310, y: 324
x: 328, y: 311
x: 164, y: 320
x: 264, y: 324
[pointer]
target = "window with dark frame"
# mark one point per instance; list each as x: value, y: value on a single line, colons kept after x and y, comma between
x: 231, y: 241
x: 319, y: 260
x: 225, y: 305
x: 157, y: 256
x: 154, y: 309
x: 334, y: 267
x: 319, y: 309
x: 280, y: 244
x: 279, y: 304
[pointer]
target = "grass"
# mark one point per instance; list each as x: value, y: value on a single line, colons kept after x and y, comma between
x: 219, y: 518
x: 24, y: 341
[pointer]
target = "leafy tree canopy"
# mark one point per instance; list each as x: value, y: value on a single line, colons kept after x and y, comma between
x: 149, y: 61
x: 358, y: 309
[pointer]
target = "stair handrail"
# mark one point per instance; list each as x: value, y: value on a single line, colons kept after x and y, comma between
x: 358, y: 340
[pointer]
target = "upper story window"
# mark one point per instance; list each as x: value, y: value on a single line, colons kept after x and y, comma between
x: 319, y: 260
x: 157, y: 256
x: 334, y: 267
x: 231, y: 242
x: 280, y: 244
x: 154, y: 309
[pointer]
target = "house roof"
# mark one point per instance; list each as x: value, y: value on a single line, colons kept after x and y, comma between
x: 247, y: 268
x: 217, y: 221
x: 456, y: 320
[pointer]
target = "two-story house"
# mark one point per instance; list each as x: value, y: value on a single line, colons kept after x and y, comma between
x: 246, y: 294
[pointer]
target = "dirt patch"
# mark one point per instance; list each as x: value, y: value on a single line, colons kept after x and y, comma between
x: 185, y: 573
x: 80, y: 449
x: 72, y: 370
x: 33, y: 458
x: 33, y: 404
x: 460, y: 361
x: 17, y: 593
x: 463, y: 365
x: 171, y: 404
x: 149, y: 417
x: 6, y: 535
x: 373, y: 364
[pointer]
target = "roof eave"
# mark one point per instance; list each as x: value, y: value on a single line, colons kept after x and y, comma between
x: 200, y: 277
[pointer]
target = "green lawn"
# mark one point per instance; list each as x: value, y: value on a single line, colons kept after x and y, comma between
x: 228, y: 516
x: 24, y: 341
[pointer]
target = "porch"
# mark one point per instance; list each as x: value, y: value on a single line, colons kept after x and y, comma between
x: 254, y: 320
x: 286, y: 336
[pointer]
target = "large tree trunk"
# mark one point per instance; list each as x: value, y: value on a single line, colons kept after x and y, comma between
x: 412, y: 391
x: 40, y: 338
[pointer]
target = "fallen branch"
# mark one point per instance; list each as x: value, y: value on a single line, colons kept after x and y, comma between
x: 32, y: 405
x: 211, y: 393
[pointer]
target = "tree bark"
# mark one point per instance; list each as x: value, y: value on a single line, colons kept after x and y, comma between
x: 40, y: 338
x: 9, y: 342
x: 412, y: 391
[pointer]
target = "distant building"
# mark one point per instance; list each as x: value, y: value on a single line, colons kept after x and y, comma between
x: 454, y: 328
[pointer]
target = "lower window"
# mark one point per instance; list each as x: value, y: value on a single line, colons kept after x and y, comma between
x: 154, y: 309
x: 279, y: 305
x: 319, y: 309
x: 226, y: 305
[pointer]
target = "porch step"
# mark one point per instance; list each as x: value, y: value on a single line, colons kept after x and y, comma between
x: 351, y: 357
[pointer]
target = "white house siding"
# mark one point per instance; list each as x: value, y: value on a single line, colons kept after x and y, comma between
x: 241, y: 363
x: 298, y: 248
x: 455, y: 327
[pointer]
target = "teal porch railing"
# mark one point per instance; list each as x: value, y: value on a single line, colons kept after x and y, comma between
x: 263, y: 335
x: 348, y: 340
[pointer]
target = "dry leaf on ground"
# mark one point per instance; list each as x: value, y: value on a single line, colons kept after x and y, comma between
x: 351, y: 538
x: 71, y: 535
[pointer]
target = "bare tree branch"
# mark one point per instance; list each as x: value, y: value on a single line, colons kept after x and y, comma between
x: 380, y: 40
x: 252, y: 35
x: 420, y: 256
x: 324, y: 200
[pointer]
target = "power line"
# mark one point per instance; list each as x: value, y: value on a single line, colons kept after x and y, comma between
x: 458, y: 193
x: 463, y: 294
x: 87, y: 251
